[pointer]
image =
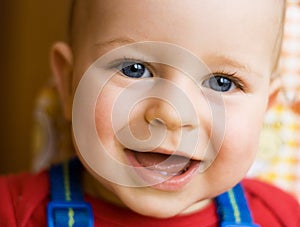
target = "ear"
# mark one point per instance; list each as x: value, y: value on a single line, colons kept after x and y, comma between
x: 275, y: 86
x: 61, y: 60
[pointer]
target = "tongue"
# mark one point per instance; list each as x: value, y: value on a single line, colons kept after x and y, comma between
x: 165, y: 164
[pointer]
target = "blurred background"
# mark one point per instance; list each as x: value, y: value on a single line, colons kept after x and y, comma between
x: 28, y: 27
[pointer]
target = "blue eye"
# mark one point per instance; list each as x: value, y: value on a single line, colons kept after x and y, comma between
x: 219, y: 84
x: 135, y: 70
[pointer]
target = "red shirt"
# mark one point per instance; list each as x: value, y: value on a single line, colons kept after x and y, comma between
x: 24, y: 200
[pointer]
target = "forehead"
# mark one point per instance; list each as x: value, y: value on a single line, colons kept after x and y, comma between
x: 205, y: 27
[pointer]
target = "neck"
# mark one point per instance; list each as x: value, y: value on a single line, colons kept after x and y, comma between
x: 197, y: 206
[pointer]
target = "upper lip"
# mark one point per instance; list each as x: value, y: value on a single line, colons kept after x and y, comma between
x: 170, y: 152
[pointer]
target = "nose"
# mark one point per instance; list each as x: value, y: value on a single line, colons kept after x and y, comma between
x: 161, y: 112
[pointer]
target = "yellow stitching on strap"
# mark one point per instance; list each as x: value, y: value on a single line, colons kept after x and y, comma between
x: 68, y: 193
x: 235, y: 207
x: 71, y: 217
x: 67, y: 182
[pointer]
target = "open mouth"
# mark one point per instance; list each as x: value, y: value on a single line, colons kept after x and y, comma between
x: 163, y: 171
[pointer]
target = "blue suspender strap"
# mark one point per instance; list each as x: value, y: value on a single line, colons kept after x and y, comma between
x: 233, y: 210
x: 67, y: 206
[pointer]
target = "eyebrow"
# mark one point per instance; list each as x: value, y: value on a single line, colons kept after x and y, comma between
x: 116, y: 42
x: 228, y: 61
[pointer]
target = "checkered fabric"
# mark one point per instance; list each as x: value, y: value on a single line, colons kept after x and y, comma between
x: 278, y: 160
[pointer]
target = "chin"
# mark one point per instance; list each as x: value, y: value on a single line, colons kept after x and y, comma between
x: 154, y: 203
x: 156, y: 212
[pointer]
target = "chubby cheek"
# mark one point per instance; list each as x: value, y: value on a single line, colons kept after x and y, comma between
x: 235, y: 156
x: 103, y: 121
x: 241, y: 139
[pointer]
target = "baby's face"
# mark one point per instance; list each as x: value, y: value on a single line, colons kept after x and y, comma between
x: 222, y: 105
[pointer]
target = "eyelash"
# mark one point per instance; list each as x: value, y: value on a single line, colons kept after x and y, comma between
x: 231, y: 76
x: 125, y: 59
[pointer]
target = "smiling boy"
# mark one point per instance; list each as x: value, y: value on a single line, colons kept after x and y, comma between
x: 145, y: 49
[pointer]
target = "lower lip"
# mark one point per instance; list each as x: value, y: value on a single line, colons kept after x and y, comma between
x: 158, y: 181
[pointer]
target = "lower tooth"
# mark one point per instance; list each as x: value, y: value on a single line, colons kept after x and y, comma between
x: 163, y: 173
x: 167, y: 174
x: 171, y: 174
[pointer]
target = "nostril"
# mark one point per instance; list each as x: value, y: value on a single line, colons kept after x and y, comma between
x: 157, y: 122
